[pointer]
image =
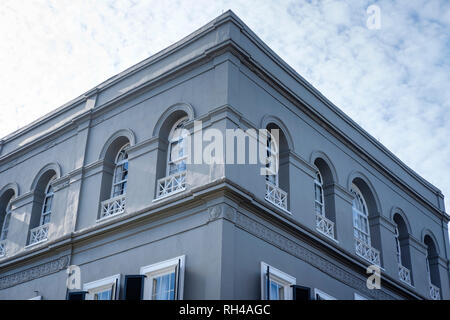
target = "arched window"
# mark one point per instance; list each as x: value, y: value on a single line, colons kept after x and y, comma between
x: 177, y: 155
x: 360, y: 216
x: 47, y: 204
x: 5, y: 225
x: 277, y: 167
x: 318, y: 194
x: 119, y: 185
x: 432, y: 263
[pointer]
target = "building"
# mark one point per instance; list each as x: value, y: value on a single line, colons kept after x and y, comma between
x: 99, y: 192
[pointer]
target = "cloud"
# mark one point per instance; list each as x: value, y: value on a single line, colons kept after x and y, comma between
x: 393, y: 81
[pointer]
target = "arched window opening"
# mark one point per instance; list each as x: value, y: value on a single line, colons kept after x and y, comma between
x: 114, y: 178
x: 361, y: 228
x: 401, y: 238
x: 432, y: 264
x: 172, y: 172
x: 5, y: 217
x: 120, y: 179
x: 43, y: 208
x: 277, y: 167
x: 6, y: 220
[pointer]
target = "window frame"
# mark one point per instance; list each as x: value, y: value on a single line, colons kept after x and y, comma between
x: 6, y: 221
x: 118, y: 164
x: 280, y: 277
x: 269, y: 165
x: 49, y: 194
x: 173, y: 140
x: 319, y: 183
x: 359, y: 196
x: 323, y: 295
x: 112, y: 282
x: 161, y: 268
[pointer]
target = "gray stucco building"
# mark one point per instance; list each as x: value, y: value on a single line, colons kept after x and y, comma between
x: 103, y: 185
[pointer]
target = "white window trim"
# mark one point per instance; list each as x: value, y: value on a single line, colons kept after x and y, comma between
x: 154, y: 269
x: 117, y: 164
x: 358, y: 296
x: 288, y: 280
x: 169, y: 148
x: 103, y: 284
x: 354, y: 189
x: 47, y: 195
x: 319, y: 183
x: 323, y: 295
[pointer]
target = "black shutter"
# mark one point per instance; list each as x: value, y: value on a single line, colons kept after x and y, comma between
x: 134, y: 287
x: 76, y: 295
x: 301, y: 293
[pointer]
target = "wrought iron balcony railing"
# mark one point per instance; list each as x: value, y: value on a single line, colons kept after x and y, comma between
x: 276, y: 196
x: 404, y: 274
x: 435, y: 292
x: 367, y: 252
x: 39, y: 234
x: 325, y: 226
x: 171, y: 184
x: 112, y: 207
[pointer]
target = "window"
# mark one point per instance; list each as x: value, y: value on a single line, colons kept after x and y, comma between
x: 318, y: 194
x: 47, y: 204
x: 320, y: 295
x: 119, y: 185
x: 397, y: 246
x: 164, y: 280
x: 177, y: 155
x: 275, y: 284
x: 271, y: 151
x: 6, y: 219
x: 360, y: 216
x: 104, y: 289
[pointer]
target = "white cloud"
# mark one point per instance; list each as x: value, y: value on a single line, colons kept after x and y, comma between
x: 392, y: 81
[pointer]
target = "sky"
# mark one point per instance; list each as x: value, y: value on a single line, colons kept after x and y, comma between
x: 394, y: 81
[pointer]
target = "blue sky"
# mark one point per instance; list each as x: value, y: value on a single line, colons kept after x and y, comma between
x: 394, y: 82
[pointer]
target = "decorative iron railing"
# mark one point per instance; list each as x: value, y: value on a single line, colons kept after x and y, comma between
x: 325, y: 225
x: 276, y: 196
x: 2, y: 248
x: 367, y: 252
x: 404, y: 274
x: 112, y: 207
x: 171, y: 184
x: 39, y: 234
x: 435, y: 292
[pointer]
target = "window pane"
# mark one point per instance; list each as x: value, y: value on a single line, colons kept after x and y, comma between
x: 164, y: 287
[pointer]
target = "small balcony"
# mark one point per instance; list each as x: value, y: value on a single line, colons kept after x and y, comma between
x: 367, y: 252
x: 276, y: 196
x: 171, y: 184
x: 325, y: 226
x: 435, y: 292
x: 112, y: 207
x: 39, y: 234
x: 2, y: 248
x: 404, y: 274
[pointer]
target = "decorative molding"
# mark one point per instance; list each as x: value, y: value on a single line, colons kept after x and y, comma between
x: 34, y: 272
x: 293, y: 248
